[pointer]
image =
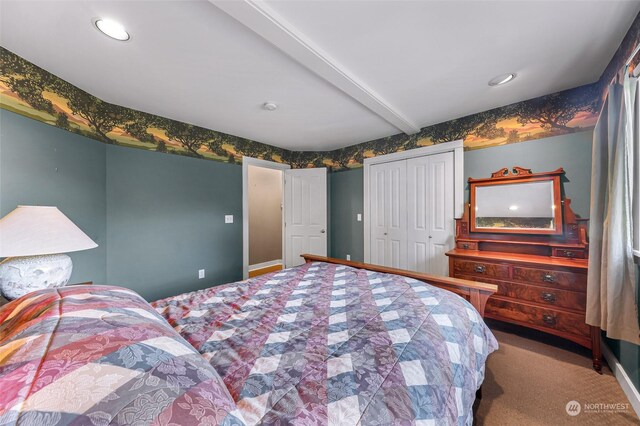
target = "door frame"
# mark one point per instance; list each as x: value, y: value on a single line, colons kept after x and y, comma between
x: 246, y: 162
x: 456, y: 147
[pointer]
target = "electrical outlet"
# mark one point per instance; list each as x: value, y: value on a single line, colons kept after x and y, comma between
x: 359, y: 217
x: 228, y: 218
x: 348, y: 257
x: 200, y: 274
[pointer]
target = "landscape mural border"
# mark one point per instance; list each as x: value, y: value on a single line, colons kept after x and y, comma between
x: 29, y: 90
x: 555, y: 114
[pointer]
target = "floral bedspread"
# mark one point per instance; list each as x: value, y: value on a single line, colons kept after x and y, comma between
x: 333, y: 345
x: 97, y: 355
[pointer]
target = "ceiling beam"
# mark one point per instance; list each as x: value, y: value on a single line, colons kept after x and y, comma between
x: 264, y: 21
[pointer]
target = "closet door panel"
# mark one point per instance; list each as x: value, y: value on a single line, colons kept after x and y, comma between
x: 396, y: 253
x: 378, y: 214
x: 441, y: 212
x: 418, y: 208
x: 379, y: 247
x: 388, y: 214
x: 430, y: 212
x: 418, y: 256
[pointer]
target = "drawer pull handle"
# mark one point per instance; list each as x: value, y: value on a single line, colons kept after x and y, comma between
x: 465, y: 246
x: 549, y: 319
x: 569, y: 254
x: 548, y: 278
x: 481, y: 269
x: 548, y: 297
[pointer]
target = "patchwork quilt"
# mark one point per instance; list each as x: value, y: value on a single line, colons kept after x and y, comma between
x: 324, y: 344
x: 97, y: 355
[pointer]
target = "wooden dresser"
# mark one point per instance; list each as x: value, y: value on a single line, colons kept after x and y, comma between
x: 541, y: 279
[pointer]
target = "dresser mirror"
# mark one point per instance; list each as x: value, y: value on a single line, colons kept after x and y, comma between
x: 517, y: 201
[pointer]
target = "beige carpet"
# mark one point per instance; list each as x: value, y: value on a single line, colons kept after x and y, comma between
x: 533, y: 376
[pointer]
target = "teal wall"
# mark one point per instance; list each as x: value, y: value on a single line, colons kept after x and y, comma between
x: 157, y: 218
x: 165, y: 220
x: 345, y: 202
x: 45, y: 165
x: 571, y: 152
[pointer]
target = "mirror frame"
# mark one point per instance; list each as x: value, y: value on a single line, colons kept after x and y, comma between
x: 517, y: 175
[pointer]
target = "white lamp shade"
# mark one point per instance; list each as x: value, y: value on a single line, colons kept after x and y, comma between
x: 37, y: 230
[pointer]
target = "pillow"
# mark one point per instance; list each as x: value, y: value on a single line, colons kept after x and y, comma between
x: 101, y: 355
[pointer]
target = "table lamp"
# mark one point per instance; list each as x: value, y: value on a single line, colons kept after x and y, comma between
x: 33, y: 239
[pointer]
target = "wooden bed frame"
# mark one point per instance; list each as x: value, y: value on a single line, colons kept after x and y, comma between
x: 475, y: 292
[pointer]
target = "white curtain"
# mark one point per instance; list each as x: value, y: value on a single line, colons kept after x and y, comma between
x: 611, y: 287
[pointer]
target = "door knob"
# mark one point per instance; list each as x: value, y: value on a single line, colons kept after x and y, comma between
x: 322, y: 231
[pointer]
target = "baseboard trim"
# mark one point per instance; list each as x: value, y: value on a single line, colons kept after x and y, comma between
x: 265, y: 268
x: 265, y: 264
x: 623, y: 379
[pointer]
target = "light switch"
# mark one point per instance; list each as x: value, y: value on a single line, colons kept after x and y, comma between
x: 228, y: 218
x: 200, y: 273
x: 359, y: 217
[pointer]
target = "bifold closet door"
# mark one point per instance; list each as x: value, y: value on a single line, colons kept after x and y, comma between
x: 430, y: 189
x: 388, y: 214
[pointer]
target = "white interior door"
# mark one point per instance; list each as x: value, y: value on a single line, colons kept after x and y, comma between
x: 388, y: 214
x: 305, y: 212
x: 430, y: 212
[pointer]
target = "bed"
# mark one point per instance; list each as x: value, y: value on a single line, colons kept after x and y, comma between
x: 328, y: 343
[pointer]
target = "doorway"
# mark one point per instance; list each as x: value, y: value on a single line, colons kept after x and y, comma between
x: 265, y: 196
x: 284, y: 214
x: 262, y: 183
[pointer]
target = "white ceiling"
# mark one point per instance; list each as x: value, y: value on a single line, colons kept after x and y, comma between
x: 353, y: 71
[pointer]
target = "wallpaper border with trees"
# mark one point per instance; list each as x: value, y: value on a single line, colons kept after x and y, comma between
x: 559, y: 113
x: 31, y: 91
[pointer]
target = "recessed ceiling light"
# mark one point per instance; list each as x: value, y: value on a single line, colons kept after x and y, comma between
x: 112, y: 29
x: 269, y: 106
x: 502, y: 79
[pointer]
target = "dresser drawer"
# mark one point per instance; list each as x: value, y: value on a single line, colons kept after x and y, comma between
x: 546, y: 296
x: 480, y: 269
x: 550, y: 319
x: 551, y: 278
x: 571, y: 254
x: 467, y: 245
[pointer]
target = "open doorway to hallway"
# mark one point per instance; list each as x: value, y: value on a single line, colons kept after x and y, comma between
x: 265, y: 197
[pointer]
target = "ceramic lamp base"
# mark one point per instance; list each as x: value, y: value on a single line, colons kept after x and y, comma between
x: 22, y: 275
